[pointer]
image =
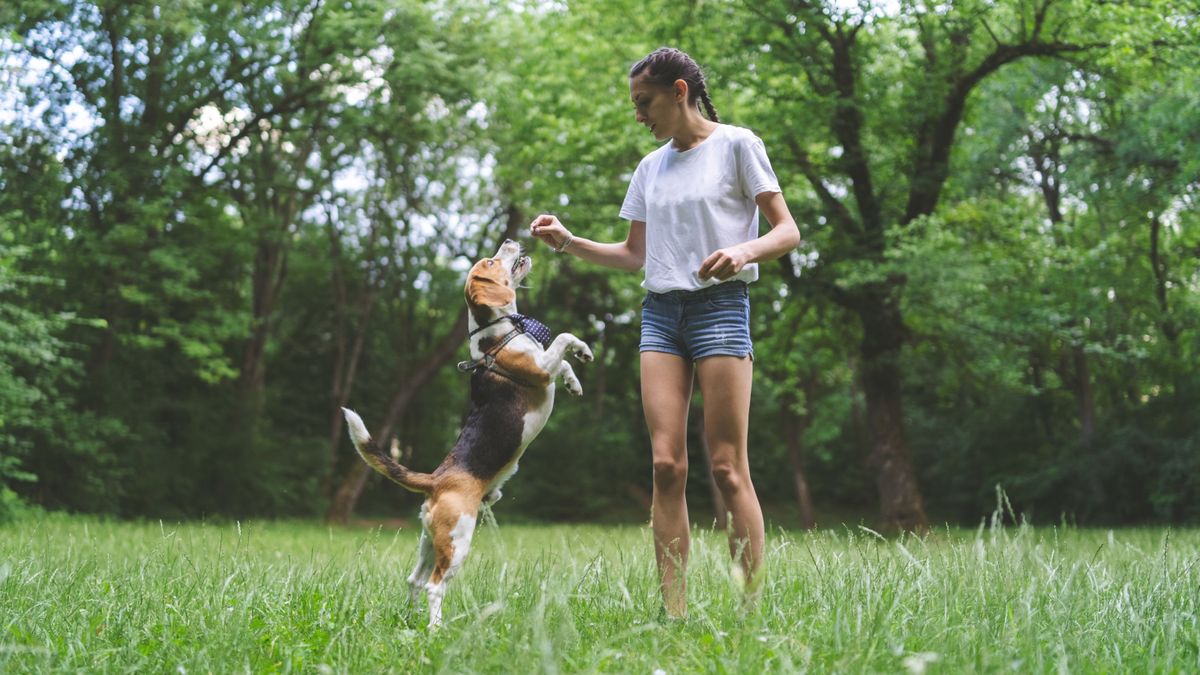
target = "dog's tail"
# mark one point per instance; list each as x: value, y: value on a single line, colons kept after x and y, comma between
x: 381, y: 461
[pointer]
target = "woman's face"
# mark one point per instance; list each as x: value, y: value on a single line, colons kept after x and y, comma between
x: 656, y: 107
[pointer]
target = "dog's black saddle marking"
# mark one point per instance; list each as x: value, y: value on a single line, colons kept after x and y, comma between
x: 491, y: 434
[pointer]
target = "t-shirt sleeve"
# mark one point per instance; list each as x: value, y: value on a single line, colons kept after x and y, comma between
x: 754, y: 168
x: 634, y: 206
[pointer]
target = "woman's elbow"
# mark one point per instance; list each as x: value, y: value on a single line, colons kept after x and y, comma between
x: 791, y: 237
x: 635, y: 260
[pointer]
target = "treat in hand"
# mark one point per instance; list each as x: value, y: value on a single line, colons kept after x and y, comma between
x: 548, y: 228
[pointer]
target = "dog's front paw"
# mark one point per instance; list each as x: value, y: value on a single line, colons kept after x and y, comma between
x: 584, y: 353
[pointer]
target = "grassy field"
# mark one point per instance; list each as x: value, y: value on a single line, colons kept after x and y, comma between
x: 87, y: 595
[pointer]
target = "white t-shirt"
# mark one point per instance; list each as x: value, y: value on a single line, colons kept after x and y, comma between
x: 697, y: 201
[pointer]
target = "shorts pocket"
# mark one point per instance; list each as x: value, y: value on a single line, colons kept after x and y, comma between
x: 727, y: 301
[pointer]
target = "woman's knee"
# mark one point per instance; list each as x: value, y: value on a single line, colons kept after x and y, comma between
x: 730, y: 477
x: 670, y: 473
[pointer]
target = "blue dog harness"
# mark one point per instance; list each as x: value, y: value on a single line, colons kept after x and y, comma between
x: 531, y: 327
x: 522, y: 325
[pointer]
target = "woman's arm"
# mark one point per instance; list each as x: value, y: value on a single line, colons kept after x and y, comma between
x: 783, y: 237
x: 629, y: 255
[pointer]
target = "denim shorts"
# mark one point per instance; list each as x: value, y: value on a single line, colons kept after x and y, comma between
x: 712, y: 321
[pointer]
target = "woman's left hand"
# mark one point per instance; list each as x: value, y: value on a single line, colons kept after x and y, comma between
x: 724, y: 264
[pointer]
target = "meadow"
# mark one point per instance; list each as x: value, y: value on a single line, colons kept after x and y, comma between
x: 81, y: 594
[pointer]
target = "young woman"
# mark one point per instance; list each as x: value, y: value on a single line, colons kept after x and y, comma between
x: 693, y: 208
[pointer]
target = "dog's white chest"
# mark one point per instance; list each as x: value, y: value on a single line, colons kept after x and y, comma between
x: 532, y: 424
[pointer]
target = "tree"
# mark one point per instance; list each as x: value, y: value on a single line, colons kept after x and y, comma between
x: 877, y: 156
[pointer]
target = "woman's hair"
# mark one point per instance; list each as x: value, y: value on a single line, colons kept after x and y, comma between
x: 665, y: 65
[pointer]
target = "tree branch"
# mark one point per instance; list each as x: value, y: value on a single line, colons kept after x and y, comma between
x: 932, y: 168
x: 834, y: 207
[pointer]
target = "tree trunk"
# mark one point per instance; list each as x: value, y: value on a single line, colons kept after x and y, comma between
x: 267, y: 281
x: 859, y: 434
x: 346, y: 497
x: 1038, y: 360
x: 1158, y: 264
x: 1046, y: 157
x: 269, y: 272
x: 639, y: 495
x: 345, y: 367
x: 794, y: 427
x: 1083, y: 394
x: 274, y: 217
x: 343, y: 383
x: 901, y: 505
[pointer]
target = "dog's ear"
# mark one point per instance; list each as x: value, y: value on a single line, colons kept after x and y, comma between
x: 485, y: 292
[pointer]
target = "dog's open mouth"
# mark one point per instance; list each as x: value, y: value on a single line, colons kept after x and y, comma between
x: 522, y: 261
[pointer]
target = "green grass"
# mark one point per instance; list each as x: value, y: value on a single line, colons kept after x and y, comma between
x: 87, y: 595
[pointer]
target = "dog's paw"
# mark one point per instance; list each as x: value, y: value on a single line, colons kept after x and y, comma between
x: 584, y: 353
x: 573, y: 387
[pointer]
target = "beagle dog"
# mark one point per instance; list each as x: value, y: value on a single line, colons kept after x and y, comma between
x: 512, y: 393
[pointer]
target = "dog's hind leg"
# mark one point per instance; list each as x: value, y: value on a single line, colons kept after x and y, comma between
x: 423, y: 568
x: 452, y: 533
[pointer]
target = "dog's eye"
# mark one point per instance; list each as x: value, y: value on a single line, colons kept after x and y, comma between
x: 490, y: 261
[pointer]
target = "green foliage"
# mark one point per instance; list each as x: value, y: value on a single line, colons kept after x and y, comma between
x: 38, y: 373
x: 205, y: 207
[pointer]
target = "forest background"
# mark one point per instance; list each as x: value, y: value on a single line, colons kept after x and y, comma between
x: 222, y: 221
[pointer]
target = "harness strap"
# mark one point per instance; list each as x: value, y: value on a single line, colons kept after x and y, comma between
x: 522, y: 325
x: 488, y: 360
x: 491, y: 323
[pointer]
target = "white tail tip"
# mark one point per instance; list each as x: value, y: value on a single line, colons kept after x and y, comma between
x: 358, y: 430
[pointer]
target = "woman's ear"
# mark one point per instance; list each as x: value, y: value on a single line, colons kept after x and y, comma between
x: 681, y: 89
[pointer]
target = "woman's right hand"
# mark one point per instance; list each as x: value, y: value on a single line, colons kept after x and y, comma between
x: 547, y: 228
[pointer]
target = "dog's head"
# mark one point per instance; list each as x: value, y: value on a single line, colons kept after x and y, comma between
x: 492, y: 282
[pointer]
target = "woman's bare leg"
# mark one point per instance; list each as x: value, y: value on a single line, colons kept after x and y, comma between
x: 666, y: 393
x: 725, y: 383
